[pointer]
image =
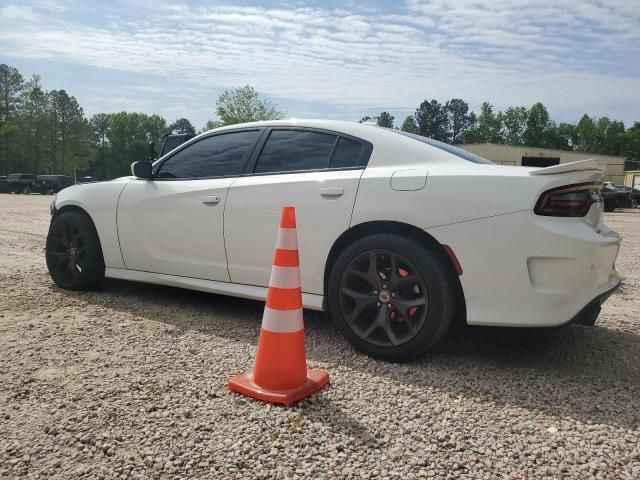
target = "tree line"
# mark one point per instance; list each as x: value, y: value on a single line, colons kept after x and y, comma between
x: 453, y: 122
x: 47, y: 131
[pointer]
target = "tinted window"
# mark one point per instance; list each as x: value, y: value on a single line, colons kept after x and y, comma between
x: 458, y: 152
x: 347, y: 154
x: 217, y: 156
x: 288, y: 150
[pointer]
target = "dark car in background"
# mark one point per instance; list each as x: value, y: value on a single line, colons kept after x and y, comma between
x: 21, y: 182
x: 4, y: 187
x: 87, y: 179
x: 609, y: 193
x: 52, y: 183
x: 627, y: 197
x: 174, y: 140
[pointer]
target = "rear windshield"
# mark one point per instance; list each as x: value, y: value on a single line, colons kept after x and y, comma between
x: 458, y: 152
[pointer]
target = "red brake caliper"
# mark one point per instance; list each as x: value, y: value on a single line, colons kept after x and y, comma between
x: 404, y: 273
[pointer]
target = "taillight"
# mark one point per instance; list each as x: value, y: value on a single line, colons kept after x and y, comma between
x: 569, y: 201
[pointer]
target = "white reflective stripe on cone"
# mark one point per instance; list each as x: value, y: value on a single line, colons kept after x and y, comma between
x: 284, y: 277
x: 282, y: 321
x: 287, y: 239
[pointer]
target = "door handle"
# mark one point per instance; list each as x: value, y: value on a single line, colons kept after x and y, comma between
x: 332, y: 191
x: 211, y: 200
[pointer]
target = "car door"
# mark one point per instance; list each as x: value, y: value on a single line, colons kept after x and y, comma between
x: 315, y: 171
x: 173, y: 223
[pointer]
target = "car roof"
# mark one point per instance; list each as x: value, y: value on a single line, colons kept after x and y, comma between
x: 341, y: 126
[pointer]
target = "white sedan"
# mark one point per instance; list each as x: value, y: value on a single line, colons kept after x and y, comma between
x: 399, y: 235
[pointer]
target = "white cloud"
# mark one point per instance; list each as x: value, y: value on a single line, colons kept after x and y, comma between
x: 565, y: 54
x: 16, y: 12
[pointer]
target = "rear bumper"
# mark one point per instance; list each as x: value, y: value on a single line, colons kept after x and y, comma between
x: 524, y: 270
x: 588, y: 315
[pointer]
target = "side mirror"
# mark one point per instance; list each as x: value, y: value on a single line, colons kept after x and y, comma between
x: 142, y: 169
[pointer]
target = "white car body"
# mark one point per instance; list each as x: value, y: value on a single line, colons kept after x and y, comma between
x: 218, y: 234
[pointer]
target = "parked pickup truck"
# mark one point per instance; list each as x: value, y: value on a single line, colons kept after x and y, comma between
x: 21, y: 183
x: 52, y: 183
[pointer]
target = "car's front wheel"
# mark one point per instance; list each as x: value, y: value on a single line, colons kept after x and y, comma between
x: 73, y: 252
x: 26, y: 190
x: 391, y: 297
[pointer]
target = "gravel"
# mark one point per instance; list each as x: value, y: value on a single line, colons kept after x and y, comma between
x: 130, y: 382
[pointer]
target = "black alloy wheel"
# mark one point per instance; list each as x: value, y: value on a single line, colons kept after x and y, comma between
x: 383, y: 298
x: 392, y: 297
x: 73, y: 253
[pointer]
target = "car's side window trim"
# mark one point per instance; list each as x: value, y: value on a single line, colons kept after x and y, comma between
x: 245, y: 160
x: 257, y: 151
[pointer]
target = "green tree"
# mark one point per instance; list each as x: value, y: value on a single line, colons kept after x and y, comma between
x: 11, y: 88
x: 566, y: 131
x: 552, y: 138
x: 244, y: 105
x: 609, y: 136
x: 365, y: 119
x: 211, y: 124
x: 128, y: 143
x: 386, y: 120
x: 35, y: 123
x: 431, y: 119
x: 182, y: 125
x: 514, y: 121
x: 459, y: 119
x: 630, y: 147
x: 155, y: 128
x: 537, y: 120
x: 71, y: 133
x: 128, y: 136
x: 585, y: 134
x: 488, y: 128
x: 409, y: 125
x: 100, y: 123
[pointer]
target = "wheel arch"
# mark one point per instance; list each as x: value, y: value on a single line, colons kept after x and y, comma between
x: 76, y: 208
x: 362, y: 230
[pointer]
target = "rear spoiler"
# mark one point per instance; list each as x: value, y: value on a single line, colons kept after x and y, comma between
x: 589, y: 164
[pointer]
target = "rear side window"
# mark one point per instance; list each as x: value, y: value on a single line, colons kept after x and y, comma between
x: 458, y: 152
x: 216, y: 156
x: 347, y: 154
x: 290, y: 150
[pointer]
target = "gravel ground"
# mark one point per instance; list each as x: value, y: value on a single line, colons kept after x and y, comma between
x: 130, y: 382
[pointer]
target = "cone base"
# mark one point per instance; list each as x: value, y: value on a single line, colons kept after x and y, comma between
x: 244, y: 384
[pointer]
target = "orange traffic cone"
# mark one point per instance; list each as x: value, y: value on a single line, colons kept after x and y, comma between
x: 280, y: 373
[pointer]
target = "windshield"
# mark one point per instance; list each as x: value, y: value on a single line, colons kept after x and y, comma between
x: 458, y: 152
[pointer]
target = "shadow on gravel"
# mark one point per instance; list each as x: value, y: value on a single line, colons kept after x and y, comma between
x: 588, y: 374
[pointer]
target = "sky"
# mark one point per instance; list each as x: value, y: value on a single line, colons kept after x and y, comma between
x: 331, y: 59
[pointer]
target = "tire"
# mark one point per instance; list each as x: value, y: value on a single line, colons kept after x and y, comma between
x: 357, y: 307
x: 634, y: 203
x: 26, y: 190
x: 610, y: 205
x: 73, y: 252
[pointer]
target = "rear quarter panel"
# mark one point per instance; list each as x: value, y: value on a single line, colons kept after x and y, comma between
x: 454, y: 192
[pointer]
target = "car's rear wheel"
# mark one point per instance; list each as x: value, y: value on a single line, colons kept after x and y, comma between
x: 26, y: 190
x: 391, y: 297
x: 73, y: 252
